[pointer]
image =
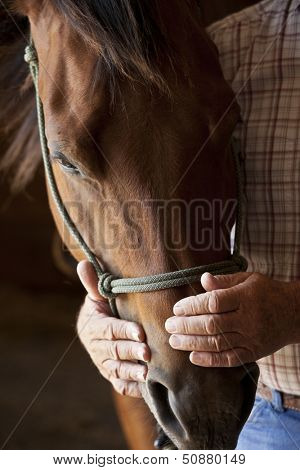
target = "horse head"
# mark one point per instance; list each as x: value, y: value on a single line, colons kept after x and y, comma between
x: 139, y: 121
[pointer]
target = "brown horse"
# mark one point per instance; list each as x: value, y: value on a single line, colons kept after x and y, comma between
x: 139, y: 116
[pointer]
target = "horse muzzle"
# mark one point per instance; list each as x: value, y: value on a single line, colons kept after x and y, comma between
x: 203, y: 409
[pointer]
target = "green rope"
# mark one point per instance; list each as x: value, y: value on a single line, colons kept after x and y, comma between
x: 110, y: 286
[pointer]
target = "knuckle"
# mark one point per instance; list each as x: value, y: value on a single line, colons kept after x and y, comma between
x: 194, y: 305
x: 130, y: 351
x: 184, y: 326
x: 119, y: 386
x: 213, y: 302
x: 205, y: 302
x: 114, y: 350
x: 193, y: 343
x: 108, y: 331
x: 112, y: 369
x: 117, y: 370
x: 123, y: 389
x: 100, y: 364
x: 211, y: 325
x: 216, y: 343
x: 109, y: 375
x: 231, y: 359
x: 123, y: 371
x: 127, y: 330
x: 215, y: 360
x: 123, y: 330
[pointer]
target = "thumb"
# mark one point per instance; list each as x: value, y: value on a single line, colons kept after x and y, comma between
x: 89, y: 279
x: 224, y: 281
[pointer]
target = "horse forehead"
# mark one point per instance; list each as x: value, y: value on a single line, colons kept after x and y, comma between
x: 30, y: 8
x: 74, y: 110
x: 72, y: 106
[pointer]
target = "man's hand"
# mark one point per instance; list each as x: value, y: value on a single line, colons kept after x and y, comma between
x: 239, y: 319
x: 114, y: 345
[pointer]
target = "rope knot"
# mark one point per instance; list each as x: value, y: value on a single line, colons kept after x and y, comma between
x: 30, y: 55
x: 240, y: 261
x: 105, y: 287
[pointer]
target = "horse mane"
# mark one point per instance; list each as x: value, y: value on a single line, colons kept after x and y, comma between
x: 19, y: 146
x: 129, y: 37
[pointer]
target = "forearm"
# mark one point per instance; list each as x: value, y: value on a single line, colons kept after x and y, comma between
x: 293, y: 293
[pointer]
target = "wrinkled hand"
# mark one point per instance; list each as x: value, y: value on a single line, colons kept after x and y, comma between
x: 239, y: 319
x: 114, y: 345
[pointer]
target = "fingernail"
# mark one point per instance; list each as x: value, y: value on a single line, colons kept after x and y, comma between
x: 170, y: 325
x: 175, y: 341
x: 196, y: 358
x: 143, y: 355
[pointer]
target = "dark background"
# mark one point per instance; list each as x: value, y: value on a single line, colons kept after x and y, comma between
x: 38, y: 307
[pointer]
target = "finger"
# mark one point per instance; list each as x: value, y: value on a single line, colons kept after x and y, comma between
x: 210, y: 324
x: 217, y: 301
x: 91, y: 313
x: 210, y: 282
x: 96, y: 321
x: 130, y: 389
x: 231, y: 358
x: 115, y: 329
x: 119, y: 351
x: 89, y: 279
x: 214, y: 343
x: 125, y: 370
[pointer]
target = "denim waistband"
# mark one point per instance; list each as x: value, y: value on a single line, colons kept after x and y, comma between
x: 277, y: 401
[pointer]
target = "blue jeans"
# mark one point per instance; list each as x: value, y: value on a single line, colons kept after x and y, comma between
x: 270, y: 426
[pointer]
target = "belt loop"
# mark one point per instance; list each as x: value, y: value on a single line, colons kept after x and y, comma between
x: 277, y: 401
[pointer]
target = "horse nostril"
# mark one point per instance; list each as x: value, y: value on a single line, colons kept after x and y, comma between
x: 160, y: 398
x: 162, y: 441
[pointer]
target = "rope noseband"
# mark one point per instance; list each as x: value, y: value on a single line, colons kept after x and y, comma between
x: 110, y: 286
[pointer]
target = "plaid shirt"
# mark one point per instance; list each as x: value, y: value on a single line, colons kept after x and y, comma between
x: 260, y: 55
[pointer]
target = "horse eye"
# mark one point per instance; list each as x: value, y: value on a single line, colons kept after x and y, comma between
x: 65, y: 164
